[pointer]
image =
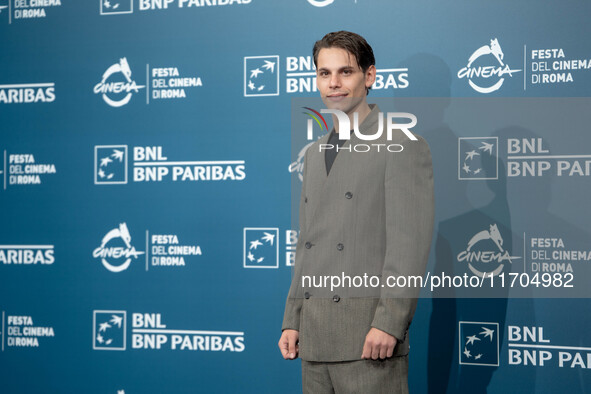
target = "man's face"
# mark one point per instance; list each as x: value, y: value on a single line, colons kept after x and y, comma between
x: 340, y: 80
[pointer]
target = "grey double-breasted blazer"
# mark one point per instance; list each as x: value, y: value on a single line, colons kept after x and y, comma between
x: 373, y: 215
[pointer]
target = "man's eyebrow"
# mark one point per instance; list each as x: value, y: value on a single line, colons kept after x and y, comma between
x: 340, y: 69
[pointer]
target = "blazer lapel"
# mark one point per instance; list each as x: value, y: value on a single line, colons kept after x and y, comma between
x: 318, y: 182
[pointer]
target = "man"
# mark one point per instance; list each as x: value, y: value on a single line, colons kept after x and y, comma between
x: 361, y: 213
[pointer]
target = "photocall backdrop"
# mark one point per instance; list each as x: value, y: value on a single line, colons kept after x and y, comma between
x: 147, y: 145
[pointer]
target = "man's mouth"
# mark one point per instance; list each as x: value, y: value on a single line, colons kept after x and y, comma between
x: 336, y: 96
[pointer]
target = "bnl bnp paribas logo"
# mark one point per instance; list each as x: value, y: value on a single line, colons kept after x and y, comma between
x: 478, y: 343
x: 478, y: 158
x: 148, y: 331
x: 114, y: 7
x: 262, y: 76
x: 149, y: 164
x: 27, y: 93
x: 486, y: 70
x: 116, y: 252
x: 110, y: 164
x: 109, y: 330
x: 261, y: 247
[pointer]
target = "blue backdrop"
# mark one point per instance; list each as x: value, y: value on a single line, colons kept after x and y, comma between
x: 146, y: 144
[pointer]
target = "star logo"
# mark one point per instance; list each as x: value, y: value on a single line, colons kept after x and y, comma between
x: 110, y: 164
x: 479, y: 343
x: 109, y: 330
x: 478, y: 158
x: 255, y: 73
x: 261, y: 76
x: 261, y: 248
x: 114, y: 7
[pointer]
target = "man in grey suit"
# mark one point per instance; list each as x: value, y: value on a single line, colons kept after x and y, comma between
x: 363, y: 214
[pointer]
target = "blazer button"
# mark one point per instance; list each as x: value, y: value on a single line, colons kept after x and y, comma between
x: 349, y: 195
x: 308, y: 245
x: 306, y: 295
x: 340, y: 246
x: 336, y: 298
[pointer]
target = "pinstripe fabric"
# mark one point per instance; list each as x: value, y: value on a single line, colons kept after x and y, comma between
x: 356, y: 377
x: 373, y: 214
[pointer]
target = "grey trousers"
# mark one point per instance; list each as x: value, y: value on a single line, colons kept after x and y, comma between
x: 389, y: 376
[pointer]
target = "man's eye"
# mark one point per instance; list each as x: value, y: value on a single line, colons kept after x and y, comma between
x: 347, y: 72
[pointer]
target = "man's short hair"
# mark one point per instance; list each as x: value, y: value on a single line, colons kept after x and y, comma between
x: 352, y: 43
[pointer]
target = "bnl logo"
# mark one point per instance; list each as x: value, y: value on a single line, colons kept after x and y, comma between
x: 479, y: 343
x: 110, y: 164
x: 108, y: 330
x: 261, y: 249
x: 114, y: 7
x: 261, y: 76
x: 478, y: 158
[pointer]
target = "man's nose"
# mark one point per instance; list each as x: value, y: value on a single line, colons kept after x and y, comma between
x: 335, y: 81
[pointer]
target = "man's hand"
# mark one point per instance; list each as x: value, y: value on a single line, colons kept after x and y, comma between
x: 288, y: 344
x: 378, y: 344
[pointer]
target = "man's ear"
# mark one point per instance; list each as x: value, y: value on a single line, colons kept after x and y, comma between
x: 370, y: 76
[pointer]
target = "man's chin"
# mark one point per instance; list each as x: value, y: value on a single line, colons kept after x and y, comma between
x: 344, y: 104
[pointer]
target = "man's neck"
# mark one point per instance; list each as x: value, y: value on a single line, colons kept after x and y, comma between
x: 362, y: 111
